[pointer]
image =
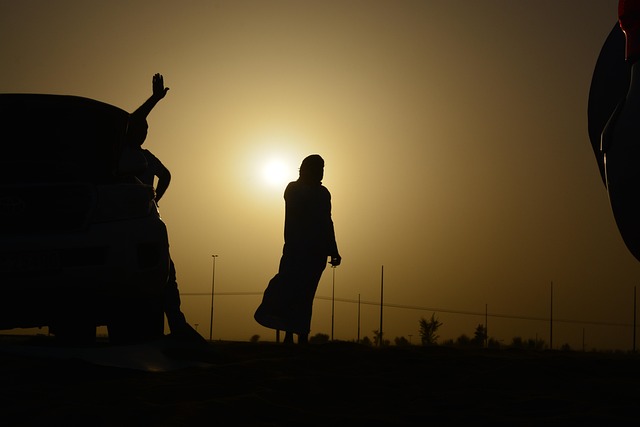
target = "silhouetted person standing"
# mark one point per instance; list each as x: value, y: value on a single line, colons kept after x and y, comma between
x: 309, y: 238
x: 155, y: 169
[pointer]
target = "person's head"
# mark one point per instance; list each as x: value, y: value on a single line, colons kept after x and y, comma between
x: 312, y: 169
x: 136, y: 130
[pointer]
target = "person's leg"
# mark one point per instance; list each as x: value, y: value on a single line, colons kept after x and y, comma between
x: 178, y: 325
x: 309, y: 279
x: 175, y: 317
x: 300, y: 276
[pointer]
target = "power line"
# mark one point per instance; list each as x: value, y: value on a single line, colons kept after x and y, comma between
x: 477, y: 313
x: 422, y: 308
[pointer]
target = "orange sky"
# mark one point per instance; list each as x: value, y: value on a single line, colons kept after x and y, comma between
x: 454, y: 135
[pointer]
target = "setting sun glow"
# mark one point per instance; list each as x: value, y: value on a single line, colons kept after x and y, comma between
x: 276, y: 172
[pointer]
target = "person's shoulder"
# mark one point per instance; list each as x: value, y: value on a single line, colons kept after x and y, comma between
x: 299, y: 189
x: 149, y: 155
x: 293, y: 185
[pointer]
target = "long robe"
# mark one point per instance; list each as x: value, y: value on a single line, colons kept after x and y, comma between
x: 309, y: 239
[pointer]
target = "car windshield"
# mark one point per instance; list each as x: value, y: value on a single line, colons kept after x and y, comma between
x: 59, y: 138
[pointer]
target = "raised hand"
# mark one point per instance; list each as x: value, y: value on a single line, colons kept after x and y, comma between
x: 159, y: 91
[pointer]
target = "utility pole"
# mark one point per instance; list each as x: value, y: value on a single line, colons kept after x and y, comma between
x: 213, y: 283
x: 358, y: 339
x: 486, y: 325
x: 634, y: 318
x: 551, y: 320
x: 381, y: 305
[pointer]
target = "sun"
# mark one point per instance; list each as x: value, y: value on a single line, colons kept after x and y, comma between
x: 276, y: 172
x: 272, y: 160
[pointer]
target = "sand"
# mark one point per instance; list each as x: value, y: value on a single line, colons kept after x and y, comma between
x: 332, y: 384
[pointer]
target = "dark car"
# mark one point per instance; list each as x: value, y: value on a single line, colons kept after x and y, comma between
x: 82, y: 243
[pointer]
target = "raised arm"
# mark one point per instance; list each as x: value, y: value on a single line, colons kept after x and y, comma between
x: 159, y: 92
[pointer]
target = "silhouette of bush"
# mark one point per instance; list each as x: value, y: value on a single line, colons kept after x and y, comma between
x: 428, y: 330
x: 366, y: 341
x: 479, y: 336
x: 254, y: 338
x: 517, y: 343
x: 535, y: 344
x: 529, y: 344
x: 319, y: 338
x: 493, y: 343
x: 463, y: 341
x: 377, y: 336
x: 401, y: 342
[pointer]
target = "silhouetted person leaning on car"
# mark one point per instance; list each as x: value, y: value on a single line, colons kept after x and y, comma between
x: 309, y: 238
x: 137, y: 134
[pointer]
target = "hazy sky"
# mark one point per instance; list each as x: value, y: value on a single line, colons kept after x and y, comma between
x: 454, y: 135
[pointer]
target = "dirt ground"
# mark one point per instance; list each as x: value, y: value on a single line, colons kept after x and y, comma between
x: 337, y: 383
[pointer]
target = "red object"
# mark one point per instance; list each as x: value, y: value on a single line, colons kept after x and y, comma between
x: 629, y: 19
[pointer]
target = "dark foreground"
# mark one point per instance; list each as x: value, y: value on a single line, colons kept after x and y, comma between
x: 334, y: 384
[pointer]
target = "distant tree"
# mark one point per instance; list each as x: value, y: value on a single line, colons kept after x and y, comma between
x: 479, y: 336
x: 319, y: 338
x: 378, y: 339
x: 366, y: 341
x: 566, y: 347
x: 530, y: 344
x: 254, y: 338
x: 535, y: 344
x: 377, y: 336
x: 516, y: 342
x: 429, y: 329
x: 463, y: 341
x: 401, y: 342
x: 493, y: 343
x: 540, y: 344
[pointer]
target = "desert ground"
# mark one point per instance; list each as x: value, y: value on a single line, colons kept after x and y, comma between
x: 337, y: 383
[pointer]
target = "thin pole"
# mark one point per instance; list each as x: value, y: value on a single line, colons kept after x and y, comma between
x: 634, y: 318
x: 213, y: 283
x: 486, y: 325
x: 358, y: 318
x: 333, y: 298
x: 551, y: 320
x: 381, y: 305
